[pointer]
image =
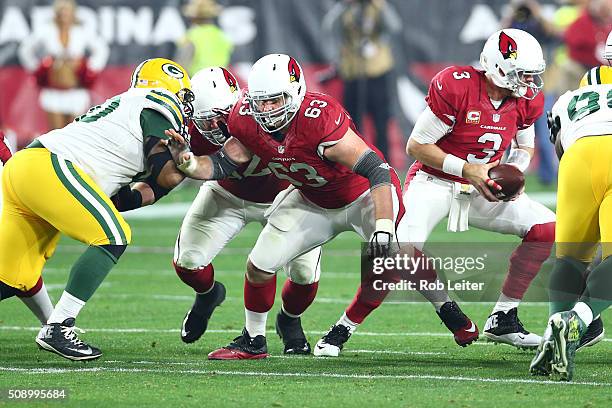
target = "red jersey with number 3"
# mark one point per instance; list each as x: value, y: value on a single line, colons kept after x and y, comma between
x: 480, y: 132
x: 252, y: 181
x: 320, y: 122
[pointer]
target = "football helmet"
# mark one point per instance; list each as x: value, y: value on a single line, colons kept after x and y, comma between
x: 216, y: 90
x: 276, y: 90
x: 167, y: 74
x: 513, y: 59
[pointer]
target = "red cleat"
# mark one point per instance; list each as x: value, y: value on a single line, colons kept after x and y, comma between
x: 244, y: 347
x: 464, y: 330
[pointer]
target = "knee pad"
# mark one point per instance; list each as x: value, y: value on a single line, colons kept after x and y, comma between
x: 191, y: 259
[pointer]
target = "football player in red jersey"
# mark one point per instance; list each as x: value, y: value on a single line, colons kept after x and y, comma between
x: 339, y: 183
x: 36, y: 299
x: 471, y: 118
x: 222, y: 209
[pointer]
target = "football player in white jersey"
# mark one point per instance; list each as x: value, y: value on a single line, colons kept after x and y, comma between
x: 63, y: 183
x: 581, y: 129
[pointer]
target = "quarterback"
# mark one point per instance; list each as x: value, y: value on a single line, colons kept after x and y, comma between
x: 222, y: 209
x: 471, y: 118
x: 63, y: 183
x: 581, y: 130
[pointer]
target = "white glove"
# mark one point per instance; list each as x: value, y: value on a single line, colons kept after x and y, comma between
x: 380, y: 242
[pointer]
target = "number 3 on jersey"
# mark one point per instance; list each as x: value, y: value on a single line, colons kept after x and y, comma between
x: 489, y: 152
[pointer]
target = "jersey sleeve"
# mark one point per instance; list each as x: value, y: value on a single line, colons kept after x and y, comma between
x: 5, y: 151
x: 153, y: 123
x: 330, y: 125
x: 444, y: 96
x: 167, y: 104
x: 531, y: 111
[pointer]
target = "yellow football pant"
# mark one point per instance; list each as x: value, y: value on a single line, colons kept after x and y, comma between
x: 584, y: 199
x: 44, y: 195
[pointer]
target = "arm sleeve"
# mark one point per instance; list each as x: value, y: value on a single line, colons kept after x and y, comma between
x: 429, y: 128
x: 524, y: 138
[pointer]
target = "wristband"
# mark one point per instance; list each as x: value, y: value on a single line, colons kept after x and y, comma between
x: 453, y: 165
x: 385, y: 225
x: 188, y: 166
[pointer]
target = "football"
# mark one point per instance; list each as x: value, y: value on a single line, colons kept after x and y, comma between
x: 511, y: 179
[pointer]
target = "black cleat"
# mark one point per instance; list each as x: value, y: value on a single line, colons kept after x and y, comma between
x: 289, y: 329
x: 506, y: 328
x: 464, y: 330
x: 594, y: 334
x: 331, y: 344
x: 61, y: 339
x: 244, y: 347
x: 196, y: 319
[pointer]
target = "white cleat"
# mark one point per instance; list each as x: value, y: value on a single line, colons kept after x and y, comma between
x: 506, y: 328
x: 331, y: 344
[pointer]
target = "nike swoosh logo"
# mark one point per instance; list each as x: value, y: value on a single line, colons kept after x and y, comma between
x: 320, y: 347
x: 337, y: 122
x: 522, y: 337
x: 471, y: 329
x: 439, y: 84
x: 87, y: 351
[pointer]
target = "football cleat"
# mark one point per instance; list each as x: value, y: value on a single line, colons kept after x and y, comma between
x: 541, y: 363
x: 244, y: 347
x: 567, y: 328
x: 331, y: 344
x: 196, y: 320
x: 506, y: 328
x: 594, y: 334
x: 289, y: 329
x: 464, y: 330
x: 61, y: 339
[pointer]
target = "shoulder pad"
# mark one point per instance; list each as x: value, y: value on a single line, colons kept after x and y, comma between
x: 167, y: 104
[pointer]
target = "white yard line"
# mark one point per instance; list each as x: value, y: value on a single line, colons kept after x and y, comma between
x: 212, y: 372
x: 143, y: 330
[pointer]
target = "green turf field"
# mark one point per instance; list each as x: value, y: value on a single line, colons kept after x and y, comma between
x: 401, y: 356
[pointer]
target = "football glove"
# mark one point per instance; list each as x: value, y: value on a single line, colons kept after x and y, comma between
x: 380, y: 242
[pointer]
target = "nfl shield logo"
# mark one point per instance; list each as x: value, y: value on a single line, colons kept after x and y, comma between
x: 496, y: 117
x: 281, y: 149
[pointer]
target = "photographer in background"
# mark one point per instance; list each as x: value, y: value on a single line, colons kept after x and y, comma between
x: 65, y: 58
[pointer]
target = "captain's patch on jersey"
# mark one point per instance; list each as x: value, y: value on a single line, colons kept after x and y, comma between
x: 472, y: 117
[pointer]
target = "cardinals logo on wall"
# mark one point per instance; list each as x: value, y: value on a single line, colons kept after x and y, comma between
x: 230, y: 79
x: 294, y: 70
x: 507, y: 46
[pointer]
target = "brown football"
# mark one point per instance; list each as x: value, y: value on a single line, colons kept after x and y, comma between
x: 509, y: 178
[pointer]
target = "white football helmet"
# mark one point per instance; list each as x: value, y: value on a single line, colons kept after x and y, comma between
x: 275, y: 78
x: 216, y: 91
x: 513, y: 60
x: 607, y: 54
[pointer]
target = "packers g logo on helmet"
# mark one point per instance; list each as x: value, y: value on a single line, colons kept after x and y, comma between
x: 161, y: 73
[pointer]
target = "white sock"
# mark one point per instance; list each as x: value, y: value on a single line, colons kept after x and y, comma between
x: 68, y: 306
x: 345, y: 321
x: 40, y: 304
x: 505, y: 303
x: 584, y: 312
x: 256, y: 322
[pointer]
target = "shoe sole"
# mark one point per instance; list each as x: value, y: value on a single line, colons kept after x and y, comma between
x: 560, y: 363
x: 492, y: 338
x: 47, y: 347
x: 541, y: 365
x: 218, y: 303
x: 317, y: 352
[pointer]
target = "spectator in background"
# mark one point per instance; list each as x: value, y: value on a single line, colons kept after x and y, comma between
x: 527, y: 15
x: 65, y: 58
x: 204, y: 44
x: 586, y: 37
x: 359, y: 33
